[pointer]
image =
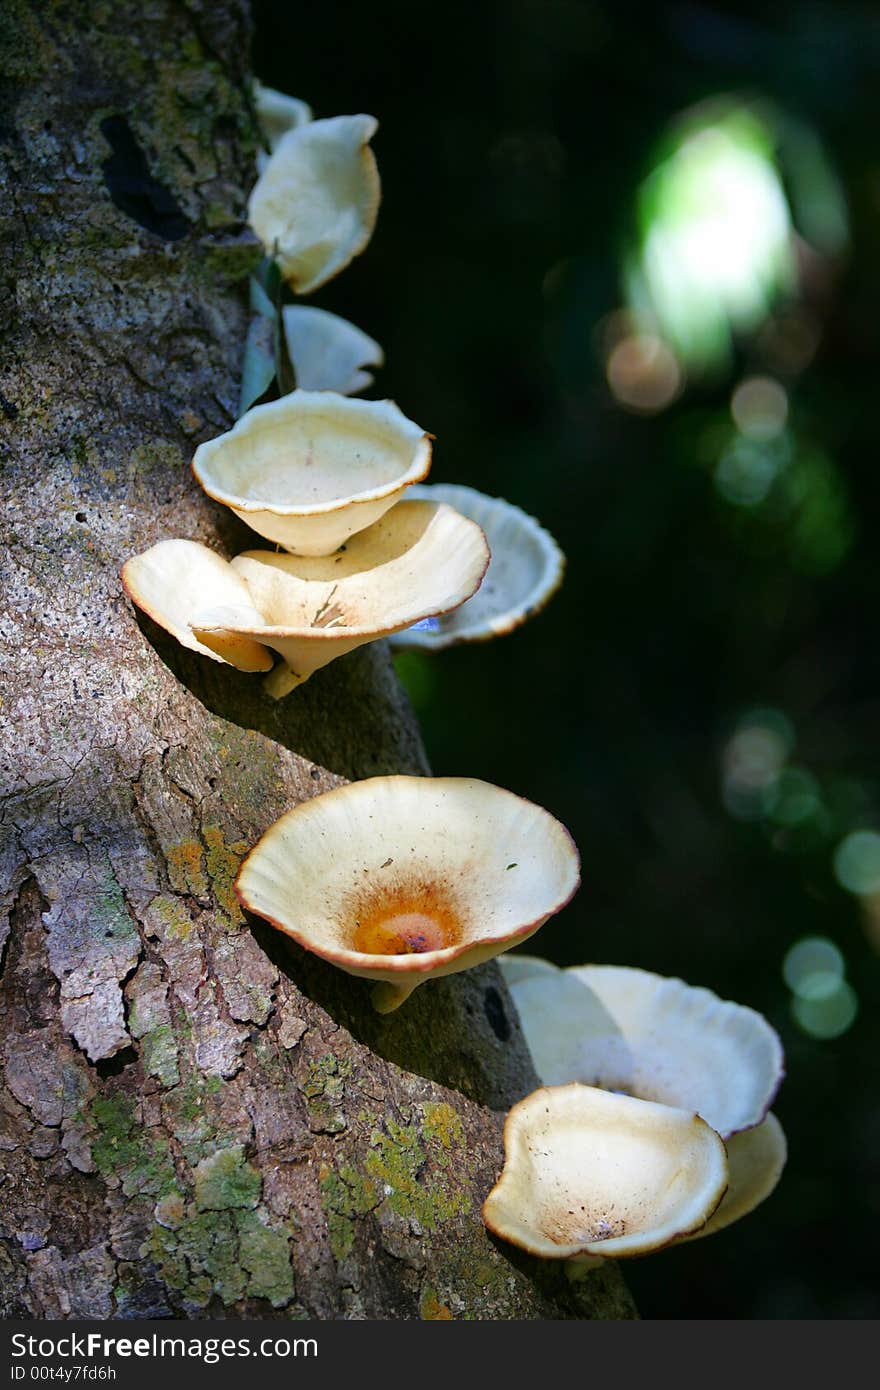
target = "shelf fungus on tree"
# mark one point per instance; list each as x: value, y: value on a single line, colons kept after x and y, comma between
x: 660, y: 1039
x: 311, y: 469
x: 526, y: 570
x: 327, y: 352
x: 402, y: 879
x: 179, y: 581
x: 657, y: 1039
x: 420, y: 558
x: 589, y: 1175
x: 315, y: 203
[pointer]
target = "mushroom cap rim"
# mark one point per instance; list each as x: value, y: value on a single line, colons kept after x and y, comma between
x: 421, y: 961
x: 522, y: 613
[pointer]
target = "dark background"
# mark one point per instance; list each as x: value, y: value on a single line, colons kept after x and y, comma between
x: 512, y: 140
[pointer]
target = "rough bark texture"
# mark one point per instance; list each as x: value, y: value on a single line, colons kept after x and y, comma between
x: 195, y: 1117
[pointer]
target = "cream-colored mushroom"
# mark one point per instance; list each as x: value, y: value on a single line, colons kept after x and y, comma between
x: 278, y: 113
x: 327, y: 352
x: 658, y: 1039
x: 315, y: 203
x: 402, y: 879
x: 422, y: 557
x: 311, y: 469
x: 589, y: 1175
x: 179, y: 581
x: 755, y: 1159
x: 526, y: 570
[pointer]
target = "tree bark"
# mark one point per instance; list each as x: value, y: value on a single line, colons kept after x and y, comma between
x: 196, y: 1117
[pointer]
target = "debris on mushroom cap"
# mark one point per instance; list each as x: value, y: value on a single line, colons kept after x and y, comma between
x: 420, y: 558
x: 526, y: 570
x: 178, y: 581
x: 401, y: 879
x: 655, y: 1038
x: 755, y: 1159
x: 327, y: 352
x: 277, y: 113
x: 314, y: 206
x: 311, y: 469
x: 590, y: 1174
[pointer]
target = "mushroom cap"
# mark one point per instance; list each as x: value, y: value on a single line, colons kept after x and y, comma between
x: 278, y: 113
x: 315, y: 203
x: 400, y: 879
x: 311, y: 469
x: 328, y: 353
x: 658, y: 1039
x: 420, y: 558
x: 755, y: 1159
x: 526, y: 570
x: 588, y: 1173
x: 177, y: 581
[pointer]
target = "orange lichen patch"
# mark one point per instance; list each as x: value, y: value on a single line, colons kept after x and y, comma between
x: 185, y: 868
x: 406, y: 923
x: 432, y: 1310
x: 223, y: 861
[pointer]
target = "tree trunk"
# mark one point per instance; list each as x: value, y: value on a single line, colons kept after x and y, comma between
x: 197, y: 1118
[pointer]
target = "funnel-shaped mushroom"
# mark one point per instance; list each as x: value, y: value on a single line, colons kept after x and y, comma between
x: 422, y: 557
x: 328, y: 353
x: 401, y: 879
x: 655, y: 1038
x: 526, y: 570
x: 179, y: 582
x: 589, y: 1175
x: 311, y: 469
x: 315, y: 203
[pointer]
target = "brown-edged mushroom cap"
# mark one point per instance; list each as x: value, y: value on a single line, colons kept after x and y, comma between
x: 327, y: 352
x: 755, y: 1159
x: 659, y: 1039
x: 420, y: 558
x: 588, y: 1174
x: 526, y: 570
x: 178, y: 581
x: 311, y: 469
x: 401, y: 879
x: 315, y: 203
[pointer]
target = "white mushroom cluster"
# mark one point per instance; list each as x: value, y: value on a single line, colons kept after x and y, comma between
x: 686, y: 1081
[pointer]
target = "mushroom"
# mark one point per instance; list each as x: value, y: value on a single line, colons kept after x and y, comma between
x: 526, y: 570
x: 402, y: 879
x: 658, y: 1039
x: 327, y: 352
x: 315, y: 203
x: 755, y: 1160
x: 311, y: 469
x: 420, y: 558
x: 278, y: 113
x: 177, y: 582
x: 589, y: 1175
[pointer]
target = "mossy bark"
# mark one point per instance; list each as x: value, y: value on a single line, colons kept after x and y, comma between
x: 195, y: 1116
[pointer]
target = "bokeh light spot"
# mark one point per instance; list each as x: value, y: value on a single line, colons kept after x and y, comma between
x: 857, y: 862
x: 759, y: 407
x: 828, y: 1016
x: 813, y: 967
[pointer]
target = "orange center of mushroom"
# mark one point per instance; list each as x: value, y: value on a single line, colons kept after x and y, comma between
x: 405, y: 925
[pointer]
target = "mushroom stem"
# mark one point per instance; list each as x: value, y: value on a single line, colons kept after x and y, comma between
x: 576, y: 1270
x: 387, y: 997
x: 281, y: 681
